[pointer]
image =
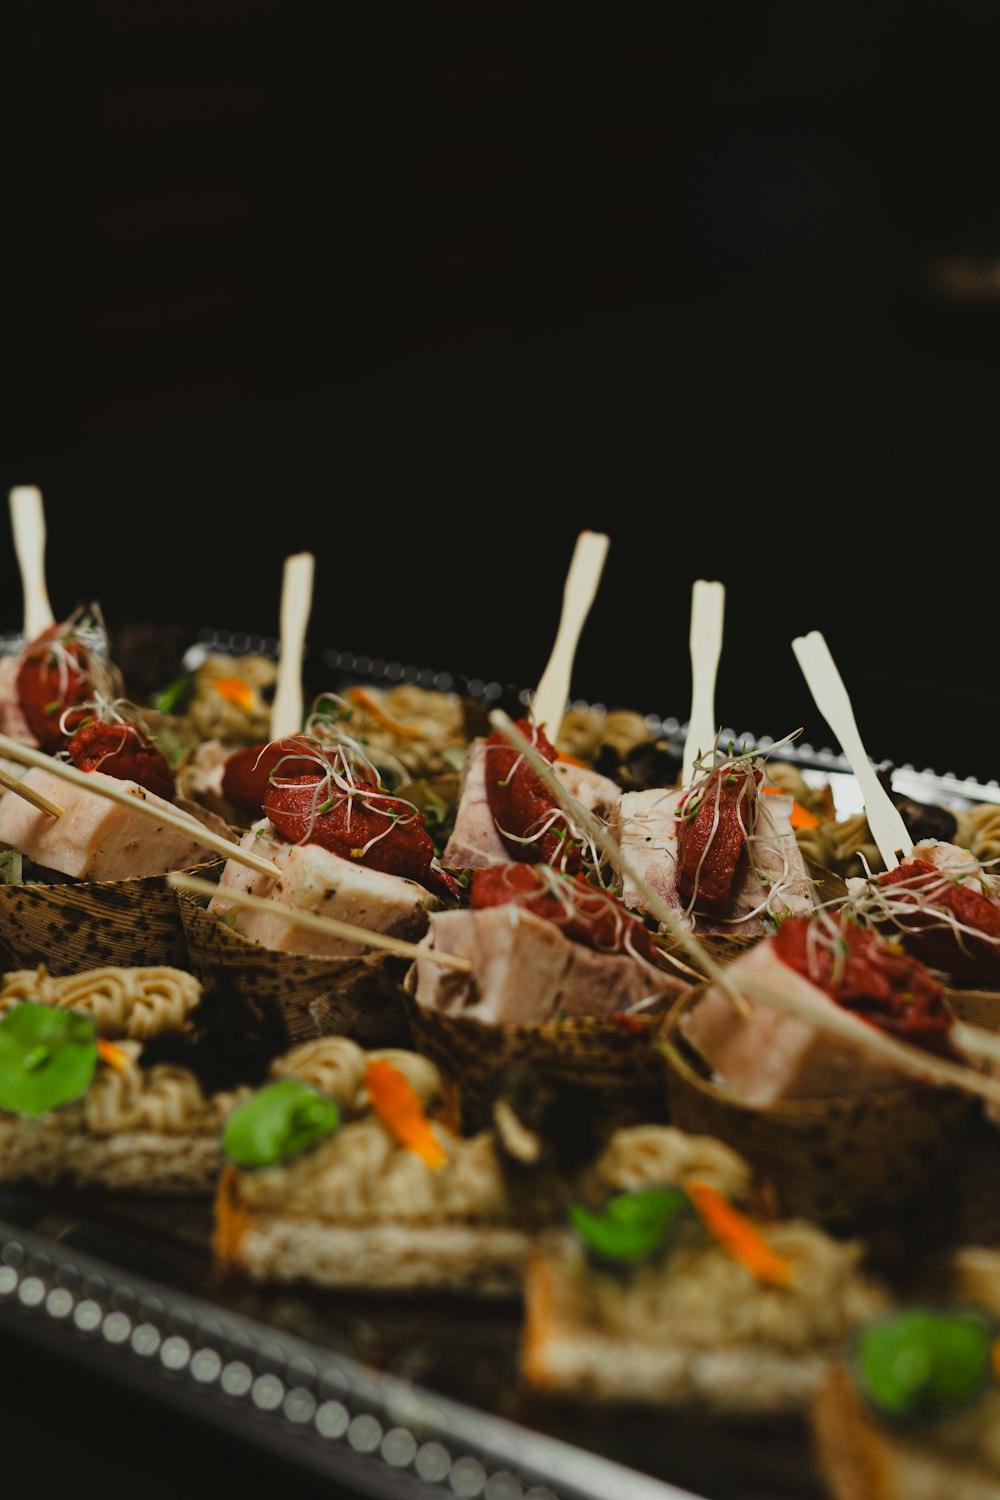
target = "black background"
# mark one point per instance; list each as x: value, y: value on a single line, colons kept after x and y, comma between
x: 428, y: 288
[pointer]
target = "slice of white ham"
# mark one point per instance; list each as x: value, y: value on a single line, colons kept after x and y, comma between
x: 315, y: 880
x: 774, y: 880
x: 95, y: 839
x: 475, y: 843
x: 526, y: 970
x: 772, y: 1055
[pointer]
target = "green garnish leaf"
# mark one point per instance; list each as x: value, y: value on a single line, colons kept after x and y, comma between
x: 923, y: 1364
x: 48, y: 1058
x: 174, y: 695
x: 279, y: 1122
x: 633, y: 1226
x: 11, y: 867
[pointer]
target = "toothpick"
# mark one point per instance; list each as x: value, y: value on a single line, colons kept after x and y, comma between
x: 610, y: 846
x: 328, y: 925
x: 167, y: 817
x: 28, y: 521
x: 827, y: 687
x: 296, y: 602
x: 830, y: 1018
x: 30, y: 795
x: 708, y: 604
x: 548, y: 704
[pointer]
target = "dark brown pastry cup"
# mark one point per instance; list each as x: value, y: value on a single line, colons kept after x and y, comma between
x: 359, y: 997
x: 613, y: 1058
x: 836, y: 1160
x: 88, y: 924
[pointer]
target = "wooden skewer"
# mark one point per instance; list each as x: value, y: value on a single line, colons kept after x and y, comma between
x: 30, y: 795
x: 610, y: 846
x: 830, y: 1018
x: 549, y: 701
x: 328, y: 925
x: 827, y: 687
x: 296, y: 602
x: 28, y: 522
x: 708, y: 604
x: 166, y: 817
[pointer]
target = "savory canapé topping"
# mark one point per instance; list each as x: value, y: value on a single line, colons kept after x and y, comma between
x: 63, y: 667
x: 583, y: 912
x: 530, y: 822
x: 716, y: 816
x: 347, y: 810
x: 122, y: 749
x: 945, y: 908
x: 867, y: 975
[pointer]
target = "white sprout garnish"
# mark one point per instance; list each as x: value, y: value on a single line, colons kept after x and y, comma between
x: 913, y: 905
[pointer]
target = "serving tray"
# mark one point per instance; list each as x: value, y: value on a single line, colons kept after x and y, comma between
x: 395, y: 1397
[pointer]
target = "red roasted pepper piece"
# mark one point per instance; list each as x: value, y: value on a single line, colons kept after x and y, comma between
x: 962, y: 955
x: 521, y: 804
x: 366, y: 824
x: 596, y: 918
x: 53, y: 676
x: 869, y: 976
x: 247, y: 772
x: 712, y: 836
x: 121, y: 750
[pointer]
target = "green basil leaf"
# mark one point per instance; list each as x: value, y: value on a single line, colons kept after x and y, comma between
x: 632, y: 1226
x: 922, y: 1363
x: 279, y: 1122
x: 48, y: 1058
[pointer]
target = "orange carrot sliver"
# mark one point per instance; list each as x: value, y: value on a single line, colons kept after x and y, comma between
x: 397, y: 1105
x: 570, y: 760
x: 367, y: 702
x: 235, y: 691
x: 736, y: 1234
x: 113, y: 1056
x: 801, y: 816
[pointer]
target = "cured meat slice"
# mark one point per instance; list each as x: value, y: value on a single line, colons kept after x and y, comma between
x: 527, y: 970
x: 475, y: 842
x: 94, y: 839
x: 315, y: 880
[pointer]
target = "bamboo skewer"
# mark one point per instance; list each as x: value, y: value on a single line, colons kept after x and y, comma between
x: 918, y: 1064
x: 708, y: 604
x: 550, y: 697
x: 28, y: 522
x: 37, y: 799
x: 296, y: 603
x: 166, y: 817
x: 827, y: 687
x: 328, y: 925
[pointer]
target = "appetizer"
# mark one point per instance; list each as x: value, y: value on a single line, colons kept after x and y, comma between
x: 85, y: 1099
x: 912, y: 1412
x: 718, y: 851
x: 663, y: 1291
x: 342, y: 1173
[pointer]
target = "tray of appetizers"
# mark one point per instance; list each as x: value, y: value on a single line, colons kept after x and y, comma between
x: 455, y: 1109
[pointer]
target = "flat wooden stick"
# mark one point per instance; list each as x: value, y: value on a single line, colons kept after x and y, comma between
x: 827, y: 687
x: 708, y: 603
x: 28, y: 521
x: 912, y: 1060
x: 166, y: 817
x: 296, y: 603
x: 610, y: 846
x: 329, y: 925
x: 30, y: 795
x: 548, y: 704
